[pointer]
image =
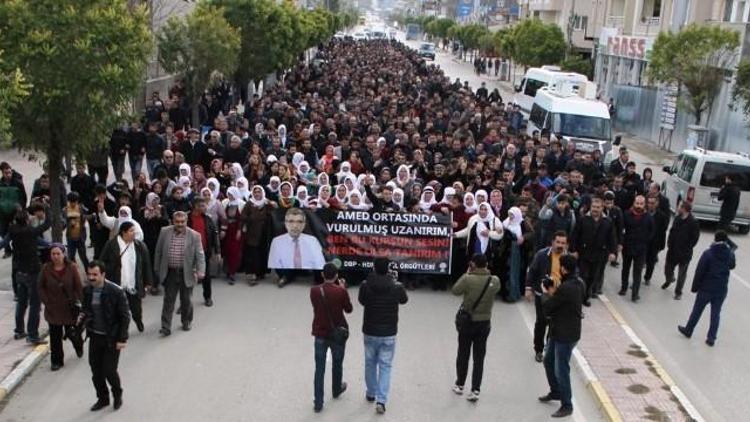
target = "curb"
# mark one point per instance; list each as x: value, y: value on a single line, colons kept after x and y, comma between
x: 23, y: 369
x: 658, y: 368
x: 597, y: 390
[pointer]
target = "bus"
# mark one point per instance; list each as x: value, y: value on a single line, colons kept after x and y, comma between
x: 413, y: 31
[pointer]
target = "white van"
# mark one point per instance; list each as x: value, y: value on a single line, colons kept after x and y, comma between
x: 571, y: 115
x: 539, y: 77
x: 697, y: 175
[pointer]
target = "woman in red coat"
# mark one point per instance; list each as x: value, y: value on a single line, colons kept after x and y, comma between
x: 60, y: 289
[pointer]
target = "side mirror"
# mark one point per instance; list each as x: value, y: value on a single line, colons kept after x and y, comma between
x: 667, y: 169
x: 517, y: 88
x: 618, y: 140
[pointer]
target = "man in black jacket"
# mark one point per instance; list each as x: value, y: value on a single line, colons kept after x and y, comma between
x: 638, y: 230
x: 106, y: 315
x: 614, y: 213
x: 562, y: 305
x: 546, y: 263
x: 683, y: 236
x: 659, y: 241
x: 380, y: 295
x: 730, y: 197
x: 593, y: 241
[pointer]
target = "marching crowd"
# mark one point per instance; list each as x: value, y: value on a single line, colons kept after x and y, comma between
x: 365, y: 126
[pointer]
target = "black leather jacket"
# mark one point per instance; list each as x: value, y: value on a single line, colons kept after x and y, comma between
x: 115, y: 309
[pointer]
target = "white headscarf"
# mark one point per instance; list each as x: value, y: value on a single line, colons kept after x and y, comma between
x: 322, y: 183
x: 270, y: 184
x: 425, y: 204
x: 242, y: 184
x: 484, y: 224
x: 400, y: 193
x: 258, y: 203
x: 297, y: 159
x: 513, y: 222
x: 185, y: 168
x: 346, y: 171
x: 354, y: 183
x: 449, y: 191
x: 342, y: 198
x: 234, y: 198
x: 126, y: 214
x: 211, y: 201
x: 237, y: 171
x: 215, y: 191
x: 291, y: 189
x: 281, y: 131
x: 470, y: 209
x: 302, y: 197
x: 359, y: 198
x: 483, y: 194
x: 184, y: 182
x: 402, y: 181
x: 324, y: 194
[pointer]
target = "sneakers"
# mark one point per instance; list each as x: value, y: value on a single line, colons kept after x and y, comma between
x: 19, y: 336
x: 539, y: 357
x: 281, y: 282
x: 370, y: 399
x: 665, y: 286
x: 473, y: 396
x: 684, y: 331
x: 165, y: 332
x: 380, y: 408
x: 209, y: 302
x: 458, y: 389
x: 35, y: 341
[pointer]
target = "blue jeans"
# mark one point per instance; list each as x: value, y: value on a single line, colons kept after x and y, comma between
x: 557, y: 366
x: 28, y: 298
x: 701, y: 300
x: 151, y: 165
x: 337, y: 355
x: 379, y: 353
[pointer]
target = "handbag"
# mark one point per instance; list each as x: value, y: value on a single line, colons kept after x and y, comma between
x: 463, y: 317
x: 339, y: 333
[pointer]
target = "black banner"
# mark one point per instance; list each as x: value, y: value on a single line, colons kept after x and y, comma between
x: 415, y: 243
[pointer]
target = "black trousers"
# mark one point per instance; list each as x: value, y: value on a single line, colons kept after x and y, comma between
x: 540, y: 326
x: 652, y: 257
x: 637, y: 262
x: 174, y: 285
x: 206, y: 282
x: 592, y: 273
x: 682, y: 269
x: 57, y: 333
x: 255, y: 260
x: 473, y: 339
x: 134, y: 303
x: 104, y: 358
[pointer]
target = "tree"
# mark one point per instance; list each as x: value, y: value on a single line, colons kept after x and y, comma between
x: 13, y: 88
x: 578, y: 64
x: 535, y: 43
x: 741, y: 90
x: 198, y: 47
x: 84, y: 61
x: 694, y: 58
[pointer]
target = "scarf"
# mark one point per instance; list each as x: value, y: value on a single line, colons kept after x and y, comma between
x: 398, y: 197
x: 271, y: 182
x: 233, y: 197
x: 481, y: 193
x: 341, y: 197
x: 185, y: 170
x: 258, y: 203
x: 184, y: 183
x: 513, y: 222
x: 360, y: 205
x: 152, y: 209
x: 216, y: 190
x: 237, y: 171
x: 484, y: 224
x: 447, y: 194
x: 242, y: 184
x: 403, y: 180
x: 470, y: 209
x: 424, y: 204
x: 324, y: 194
x: 346, y: 171
x: 302, y: 197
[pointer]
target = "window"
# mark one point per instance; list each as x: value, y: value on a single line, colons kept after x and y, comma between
x: 728, y: 10
x: 532, y: 85
x: 714, y: 173
x: 537, y: 116
x: 579, y: 126
x: 651, y: 9
x: 580, y: 22
x: 687, y: 165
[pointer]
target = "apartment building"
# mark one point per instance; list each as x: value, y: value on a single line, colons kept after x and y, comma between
x: 580, y: 20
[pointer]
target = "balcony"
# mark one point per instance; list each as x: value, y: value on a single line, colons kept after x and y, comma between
x: 546, y: 5
x: 615, y: 22
x: 647, y: 26
x: 744, y: 29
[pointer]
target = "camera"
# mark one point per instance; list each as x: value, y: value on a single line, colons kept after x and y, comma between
x: 548, y: 282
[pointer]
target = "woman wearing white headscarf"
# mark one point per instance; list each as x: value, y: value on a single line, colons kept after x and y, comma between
x: 482, y: 228
x: 286, y: 196
x: 152, y: 218
x: 428, y: 199
x: 513, y: 253
x: 481, y: 197
x: 398, y: 197
x: 324, y: 196
x: 302, y: 197
x: 237, y: 172
x: 281, y: 131
x: 350, y: 183
x: 448, y: 194
x: 357, y: 202
x: 341, y: 197
x: 185, y: 170
x: 113, y: 223
x: 272, y: 188
x: 297, y: 159
x: 256, y: 230
x: 242, y: 185
x: 214, y: 208
x: 346, y: 171
x: 470, y: 203
x: 187, y: 191
x: 214, y: 186
x: 234, y: 197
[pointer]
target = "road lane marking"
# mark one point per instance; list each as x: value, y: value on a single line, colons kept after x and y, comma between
x: 740, y: 279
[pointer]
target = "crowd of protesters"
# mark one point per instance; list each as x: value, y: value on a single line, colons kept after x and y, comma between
x: 368, y: 126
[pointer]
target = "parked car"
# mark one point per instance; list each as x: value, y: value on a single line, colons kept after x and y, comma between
x: 427, y: 50
x: 698, y: 174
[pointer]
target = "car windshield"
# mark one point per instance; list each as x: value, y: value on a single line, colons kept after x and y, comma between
x: 427, y: 47
x: 581, y: 126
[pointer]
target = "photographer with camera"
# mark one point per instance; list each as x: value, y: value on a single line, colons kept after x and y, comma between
x: 330, y: 300
x: 562, y: 306
x: 546, y: 264
x: 61, y: 291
